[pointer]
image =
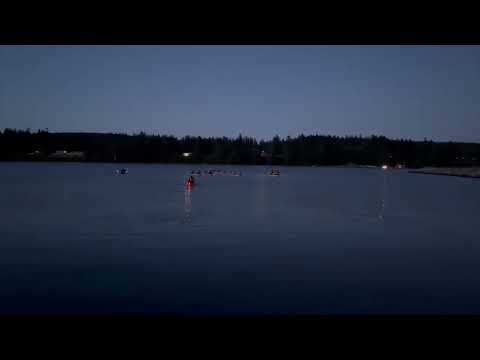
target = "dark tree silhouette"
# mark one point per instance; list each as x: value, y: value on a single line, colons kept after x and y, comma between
x: 16, y: 145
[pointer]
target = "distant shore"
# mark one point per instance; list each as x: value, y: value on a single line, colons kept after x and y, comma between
x: 301, y: 150
x: 78, y: 161
x: 470, y: 172
x: 467, y: 172
x: 352, y: 166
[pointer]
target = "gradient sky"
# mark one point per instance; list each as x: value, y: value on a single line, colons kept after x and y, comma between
x: 396, y: 91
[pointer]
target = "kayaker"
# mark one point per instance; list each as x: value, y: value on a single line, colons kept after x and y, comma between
x: 191, y: 181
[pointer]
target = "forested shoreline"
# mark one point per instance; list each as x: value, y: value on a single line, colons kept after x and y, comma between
x: 306, y: 150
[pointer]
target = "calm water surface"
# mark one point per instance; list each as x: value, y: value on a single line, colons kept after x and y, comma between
x: 78, y: 238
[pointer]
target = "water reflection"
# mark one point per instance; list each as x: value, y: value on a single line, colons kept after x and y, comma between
x: 188, y: 205
x: 260, y: 199
x: 383, y: 196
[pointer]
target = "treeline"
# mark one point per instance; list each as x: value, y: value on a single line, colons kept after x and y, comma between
x: 301, y: 150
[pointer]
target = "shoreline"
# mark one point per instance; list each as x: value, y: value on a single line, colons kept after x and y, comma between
x: 472, y: 172
x: 372, y: 167
x: 467, y: 172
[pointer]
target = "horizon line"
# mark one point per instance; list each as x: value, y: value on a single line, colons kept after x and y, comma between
x: 258, y: 139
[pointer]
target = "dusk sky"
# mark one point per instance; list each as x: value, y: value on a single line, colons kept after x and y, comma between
x: 396, y: 91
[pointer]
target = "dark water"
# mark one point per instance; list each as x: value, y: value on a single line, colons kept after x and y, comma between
x: 77, y: 238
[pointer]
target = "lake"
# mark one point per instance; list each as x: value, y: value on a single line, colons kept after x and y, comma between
x: 77, y: 238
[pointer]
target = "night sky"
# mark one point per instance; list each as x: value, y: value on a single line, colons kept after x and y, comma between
x: 397, y: 91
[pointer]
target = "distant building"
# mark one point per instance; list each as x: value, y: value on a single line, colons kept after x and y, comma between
x: 35, y: 155
x: 59, y: 153
x: 66, y: 155
x: 265, y: 154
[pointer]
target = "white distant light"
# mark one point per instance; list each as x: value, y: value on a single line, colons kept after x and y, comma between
x: 384, y: 167
x: 187, y: 154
